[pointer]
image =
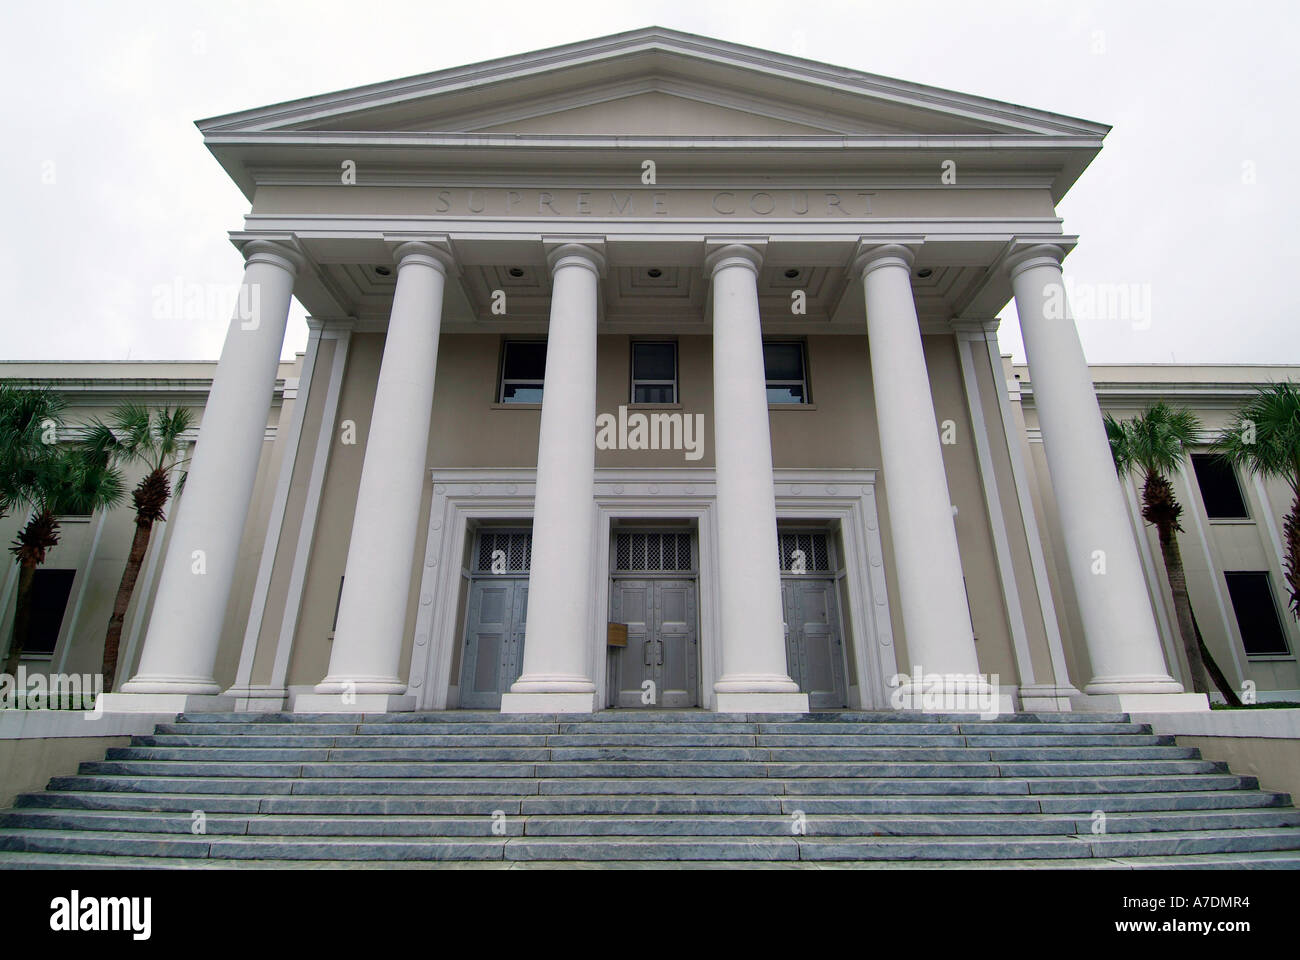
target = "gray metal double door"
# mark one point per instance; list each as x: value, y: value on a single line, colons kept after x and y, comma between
x: 660, y: 663
x: 494, y: 640
x: 813, y: 641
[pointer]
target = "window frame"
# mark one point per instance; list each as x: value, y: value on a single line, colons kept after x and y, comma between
x: 803, y: 364
x: 1288, y: 653
x: 1203, y: 456
x: 502, y: 382
x: 634, y: 381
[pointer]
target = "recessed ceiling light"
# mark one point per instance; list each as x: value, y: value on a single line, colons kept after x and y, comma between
x: 384, y: 271
x: 925, y: 272
x: 792, y: 273
x: 516, y: 272
x: 654, y: 273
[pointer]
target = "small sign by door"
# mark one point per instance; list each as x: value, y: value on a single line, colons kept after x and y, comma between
x: 616, y: 635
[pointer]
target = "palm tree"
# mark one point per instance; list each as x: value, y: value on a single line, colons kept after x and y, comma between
x: 30, y: 420
x: 1152, y: 445
x: 134, y: 435
x: 68, y: 479
x: 1263, y: 438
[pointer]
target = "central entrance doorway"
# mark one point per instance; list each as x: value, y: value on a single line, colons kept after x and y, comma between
x: 654, y: 593
x: 495, y: 617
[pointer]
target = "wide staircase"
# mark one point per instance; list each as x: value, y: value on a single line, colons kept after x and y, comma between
x: 633, y: 788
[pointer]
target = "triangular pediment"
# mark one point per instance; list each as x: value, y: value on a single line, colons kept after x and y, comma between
x: 651, y: 83
x: 659, y: 114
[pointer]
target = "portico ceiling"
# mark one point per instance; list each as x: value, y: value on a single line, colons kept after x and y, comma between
x: 648, y: 286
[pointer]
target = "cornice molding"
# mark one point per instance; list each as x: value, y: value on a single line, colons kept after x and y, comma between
x: 672, y: 48
x: 97, y: 391
x: 1212, y: 393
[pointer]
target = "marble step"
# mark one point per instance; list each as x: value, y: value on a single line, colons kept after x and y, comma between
x: 641, y: 740
x: 493, y: 823
x: 389, y: 725
x: 647, y: 768
x: 386, y: 753
x: 523, y: 786
x: 595, y: 848
x: 594, y: 804
x: 657, y: 716
x: 1246, y: 860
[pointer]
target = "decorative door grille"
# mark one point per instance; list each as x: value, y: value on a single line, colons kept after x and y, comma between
x: 803, y: 552
x: 652, y: 552
x: 516, y: 552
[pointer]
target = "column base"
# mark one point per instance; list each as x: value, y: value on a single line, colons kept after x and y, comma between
x: 357, y: 686
x: 1047, y: 698
x: 164, y: 703
x: 1141, y: 703
x: 548, y: 702
x: 1129, y: 684
x: 353, y: 703
x: 760, y: 702
x: 258, y: 699
x: 185, y: 685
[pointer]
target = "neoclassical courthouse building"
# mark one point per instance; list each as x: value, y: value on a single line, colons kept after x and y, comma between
x: 659, y: 371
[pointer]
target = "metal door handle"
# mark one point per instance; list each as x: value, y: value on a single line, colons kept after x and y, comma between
x: 660, y: 661
x: 649, y: 645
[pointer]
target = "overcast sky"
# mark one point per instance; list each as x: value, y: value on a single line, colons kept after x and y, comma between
x: 111, y: 193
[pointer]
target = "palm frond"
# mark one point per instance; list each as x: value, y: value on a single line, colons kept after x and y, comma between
x: 1155, y: 441
x: 30, y: 422
x: 132, y: 422
x: 82, y: 481
x: 169, y: 425
x: 1264, y: 435
x: 1117, y: 437
x: 101, y: 439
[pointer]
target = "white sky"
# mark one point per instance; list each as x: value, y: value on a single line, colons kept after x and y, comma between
x: 102, y: 99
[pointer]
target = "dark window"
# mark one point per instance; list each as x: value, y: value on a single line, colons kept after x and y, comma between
x: 787, y: 375
x: 1219, y: 488
x: 654, y: 372
x: 49, y: 599
x: 523, y: 368
x: 1252, y: 601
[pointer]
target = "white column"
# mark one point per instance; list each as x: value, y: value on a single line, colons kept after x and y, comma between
x: 376, y: 581
x: 1118, y: 623
x: 557, y: 640
x: 927, y: 565
x: 754, y: 673
x: 184, y: 634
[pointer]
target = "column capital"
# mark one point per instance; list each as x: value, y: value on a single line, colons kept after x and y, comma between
x: 430, y: 251
x: 331, y: 327
x: 967, y: 329
x: 875, y: 253
x: 733, y: 252
x: 276, y: 252
x: 1030, y: 255
x: 586, y: 252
